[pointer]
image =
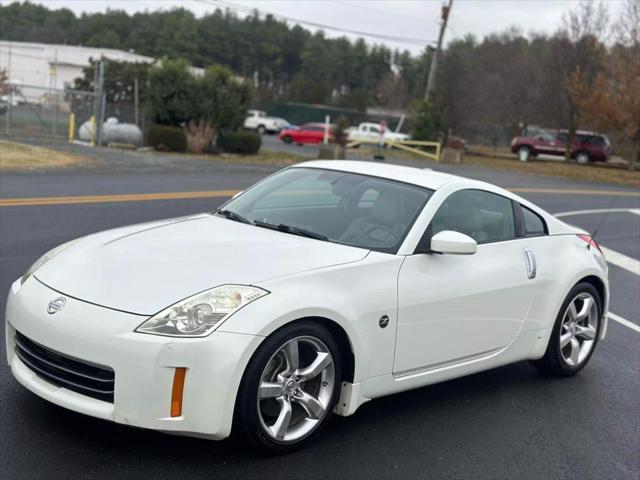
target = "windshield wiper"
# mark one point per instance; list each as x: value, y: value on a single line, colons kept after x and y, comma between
x: 232, y: 216
x: 293, y: 230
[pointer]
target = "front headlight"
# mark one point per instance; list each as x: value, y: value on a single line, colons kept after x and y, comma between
x: 44, y: 259
x: 199, y: 315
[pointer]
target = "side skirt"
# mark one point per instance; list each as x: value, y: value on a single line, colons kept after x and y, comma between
x: 527, y: 346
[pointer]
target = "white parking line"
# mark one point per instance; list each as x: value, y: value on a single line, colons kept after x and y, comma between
x: 613, y: 257
x: 621, y: 260
x: 624, y: 321
x: 597, y: 210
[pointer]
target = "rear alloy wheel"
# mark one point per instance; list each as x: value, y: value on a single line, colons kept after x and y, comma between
x: 575, y: 332
x: 262, y: 130
x: 524, y: 154
x: 290, y: 388
x: 583, y: 158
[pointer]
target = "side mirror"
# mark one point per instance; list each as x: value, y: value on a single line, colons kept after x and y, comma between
x: 453, y: 243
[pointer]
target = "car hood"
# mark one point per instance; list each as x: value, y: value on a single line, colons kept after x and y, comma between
x: 145, y: 268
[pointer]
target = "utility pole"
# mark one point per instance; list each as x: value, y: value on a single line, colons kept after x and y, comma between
x: 136, y: 102
x: 100, y: 97
x: 431, y: 81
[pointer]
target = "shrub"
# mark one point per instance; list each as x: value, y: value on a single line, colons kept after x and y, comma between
x: 199, y: 136
x: 170, y: 139
x: 244, y: 143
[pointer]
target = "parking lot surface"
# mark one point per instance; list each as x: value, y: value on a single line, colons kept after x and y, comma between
x: 506, y: 423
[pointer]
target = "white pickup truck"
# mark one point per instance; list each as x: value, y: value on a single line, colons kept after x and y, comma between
x: 258, y: 120
x: 372, y: 131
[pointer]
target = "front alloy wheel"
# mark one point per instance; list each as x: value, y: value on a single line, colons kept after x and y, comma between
x: 295, y: 389
x: 289, y: 388
x: 524, y: 154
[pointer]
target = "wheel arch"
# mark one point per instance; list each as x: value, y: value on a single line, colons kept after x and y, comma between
x: 599, y: 285
x: 341, y: 337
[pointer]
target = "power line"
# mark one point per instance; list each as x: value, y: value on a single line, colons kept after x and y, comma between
x: 393, y: 38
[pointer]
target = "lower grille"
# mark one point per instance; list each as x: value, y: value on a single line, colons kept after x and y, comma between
x: 62, y: 371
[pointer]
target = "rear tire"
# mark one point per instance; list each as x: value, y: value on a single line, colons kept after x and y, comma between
x: 262, y: 129
x: 524, y: 154
x: 283, y: 403
x: 583, y: 158
x: 287, y: 139
x: 575, y: 333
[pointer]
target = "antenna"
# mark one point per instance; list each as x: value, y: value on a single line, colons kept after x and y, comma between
x: 604, y: 217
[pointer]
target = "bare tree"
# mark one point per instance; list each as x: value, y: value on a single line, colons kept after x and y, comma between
x: 577, y: 49
x: 612, y: 100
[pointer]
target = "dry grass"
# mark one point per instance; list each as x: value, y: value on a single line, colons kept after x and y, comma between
x: 16, y: 157
x: 590, y: 173
x: 505, y: 161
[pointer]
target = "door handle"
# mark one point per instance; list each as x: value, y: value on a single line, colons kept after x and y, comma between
x: 530, y: 261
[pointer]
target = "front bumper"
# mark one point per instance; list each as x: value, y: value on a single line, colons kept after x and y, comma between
x: 144, y: 365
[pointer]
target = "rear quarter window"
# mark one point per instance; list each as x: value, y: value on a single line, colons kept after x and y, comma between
x: 533, y: 223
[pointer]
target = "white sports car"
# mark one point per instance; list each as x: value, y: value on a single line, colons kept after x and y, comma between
x: 323, y: 286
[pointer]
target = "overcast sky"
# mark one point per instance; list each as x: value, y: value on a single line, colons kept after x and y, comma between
x: 415, y: 19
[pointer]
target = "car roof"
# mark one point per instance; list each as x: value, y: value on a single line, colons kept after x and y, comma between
x: 424, y: 177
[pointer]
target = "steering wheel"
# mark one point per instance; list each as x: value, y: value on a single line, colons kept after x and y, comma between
x: 373, y: 227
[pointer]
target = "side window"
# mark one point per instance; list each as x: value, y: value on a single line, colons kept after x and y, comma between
x: 533, y: 223
x: 485, y: 217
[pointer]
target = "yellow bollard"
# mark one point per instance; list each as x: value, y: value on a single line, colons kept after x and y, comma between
x: 72, y: 127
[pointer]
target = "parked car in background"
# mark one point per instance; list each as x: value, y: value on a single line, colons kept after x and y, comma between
x: 587, y: 146
x: 372, y: 131
x: 307, y: 133
x: 259, y: 121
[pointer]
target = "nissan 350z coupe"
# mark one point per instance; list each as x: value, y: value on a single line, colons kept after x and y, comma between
x: 324, y: 286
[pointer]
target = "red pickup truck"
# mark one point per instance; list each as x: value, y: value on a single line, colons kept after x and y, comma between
x: 587, y: 146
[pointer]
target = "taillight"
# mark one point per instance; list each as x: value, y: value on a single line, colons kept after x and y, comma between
x: 590, y: 241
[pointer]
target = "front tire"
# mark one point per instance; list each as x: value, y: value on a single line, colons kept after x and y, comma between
x: 289, y: 388
x: 575, y: 333
x: 524, y: 154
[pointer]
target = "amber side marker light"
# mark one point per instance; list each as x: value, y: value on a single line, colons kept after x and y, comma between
x: 177, y: 391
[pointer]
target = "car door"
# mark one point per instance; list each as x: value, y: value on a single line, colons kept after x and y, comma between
x: 302, y: 134
x: 545, y: 142
x: 454, y: 308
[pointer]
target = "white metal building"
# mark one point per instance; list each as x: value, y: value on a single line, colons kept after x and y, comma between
x: 49, y: 66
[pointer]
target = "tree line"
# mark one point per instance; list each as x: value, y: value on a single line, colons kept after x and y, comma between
x: 584, y: 75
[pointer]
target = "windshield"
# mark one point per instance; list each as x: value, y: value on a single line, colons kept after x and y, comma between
x: 340, y: 207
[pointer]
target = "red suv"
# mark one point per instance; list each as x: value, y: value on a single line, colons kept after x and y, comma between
x: 587, y: 146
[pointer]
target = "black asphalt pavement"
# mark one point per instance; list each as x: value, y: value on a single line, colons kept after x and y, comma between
x: 506, y: 423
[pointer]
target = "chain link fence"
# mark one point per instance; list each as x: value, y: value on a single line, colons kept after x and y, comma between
x: 35, y: 112
x: 30, y: 112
